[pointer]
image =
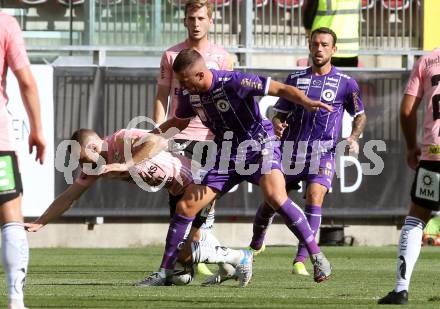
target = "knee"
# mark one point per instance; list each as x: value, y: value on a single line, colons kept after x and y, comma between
x: 183, y: 208
x: 276, y: 200
x: 315, y: 197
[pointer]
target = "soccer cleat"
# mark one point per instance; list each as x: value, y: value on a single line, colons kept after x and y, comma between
x: 255, y: 251
x: 394, y: 298
x: 244, y: 268
x: 299, y: 269
x: 203, y: 269
x: 321, y: 267
x: 16, y: 304
x: 225, y: 272
x: 157, y: 278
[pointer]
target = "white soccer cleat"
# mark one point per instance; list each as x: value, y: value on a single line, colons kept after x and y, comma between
x: 321, y: 267
x: 244, y: 268
x: 225, y: 272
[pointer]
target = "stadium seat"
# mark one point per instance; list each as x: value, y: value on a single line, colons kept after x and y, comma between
x: 395, y: 4
x: 289, y: 3
x: 33, y: 2
x: 260, y: 3
x: 74, y: 2
x: 367, y: 4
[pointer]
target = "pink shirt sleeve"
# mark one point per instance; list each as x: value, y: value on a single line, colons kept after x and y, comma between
x: 15, y: 52
x: 166, y: 71
x: 415, y: 82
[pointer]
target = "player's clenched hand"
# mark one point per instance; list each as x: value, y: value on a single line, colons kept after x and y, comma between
x: 37, y: 140
x: 279, y: 128
x: 32, y: 227
x: 314, y: 106
x: 412, y: 157
x: 353, y: 145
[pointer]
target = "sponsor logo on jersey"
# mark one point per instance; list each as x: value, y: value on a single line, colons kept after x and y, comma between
x: 222, y: 105
x: 434, y: 150
x: 194, y: 98
x: 333, y: 79
x: 304, y: 81
x: 328, y: 95
x: 217, y: 90
x: 316, y: 83
x: 330, y: 84
x: 246, y: 82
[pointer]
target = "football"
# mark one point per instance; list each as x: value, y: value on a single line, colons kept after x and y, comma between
x: 183, y: 274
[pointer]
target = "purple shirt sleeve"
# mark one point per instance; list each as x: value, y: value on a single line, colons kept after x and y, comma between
x: 353, y: 101
x: 184, y: 109
x: 248, y: 85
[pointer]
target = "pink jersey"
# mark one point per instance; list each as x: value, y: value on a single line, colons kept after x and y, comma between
x: 12, y: 55
x: 174, y: 169
x: 424, y: 83
x: 215, y: 58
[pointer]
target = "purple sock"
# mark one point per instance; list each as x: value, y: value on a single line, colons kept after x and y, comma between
x: 313, y: 215
x: 263, y: 218
x: 179, y: 226
x: 296, y: 221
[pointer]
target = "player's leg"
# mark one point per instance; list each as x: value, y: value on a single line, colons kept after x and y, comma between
x: 15, y: 249
x: 412, y: 231
x: 315, y: 194
x: 273, y: 187
x: 407, y: 254
x: 263, y: 219
x: 193, y: 200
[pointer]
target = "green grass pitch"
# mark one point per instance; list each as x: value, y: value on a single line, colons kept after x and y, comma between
x: 102, y: 278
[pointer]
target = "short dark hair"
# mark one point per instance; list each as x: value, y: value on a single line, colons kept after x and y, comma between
x: 81, y: 136
x: 185, y: 58
x: 325, y: 30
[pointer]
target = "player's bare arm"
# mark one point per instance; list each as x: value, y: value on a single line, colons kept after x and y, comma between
x: 279, y: 123
x: 161, y: 103
x: 29, y: 95
x: 296, y: 96
x: 59, y: 206
x: 408, y: 122
x: 171, y: 127
x: 146, y: 148
x: 358, y: 126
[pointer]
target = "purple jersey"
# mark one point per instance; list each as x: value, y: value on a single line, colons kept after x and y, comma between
x: 229, y: 105
x: 317, y: 132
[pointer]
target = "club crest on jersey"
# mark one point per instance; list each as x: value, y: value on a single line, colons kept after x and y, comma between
x: 328, y: 95
x: 222, y: 105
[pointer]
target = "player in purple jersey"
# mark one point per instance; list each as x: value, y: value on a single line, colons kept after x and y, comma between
x: 224, y: 101
x: 309, y: 138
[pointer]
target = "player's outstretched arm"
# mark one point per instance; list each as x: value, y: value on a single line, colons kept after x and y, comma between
x: 171, y: 127
x: 295, y: 96
x: 60, y: 205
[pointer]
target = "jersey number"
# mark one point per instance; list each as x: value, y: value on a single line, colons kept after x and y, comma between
x: 435, y: 80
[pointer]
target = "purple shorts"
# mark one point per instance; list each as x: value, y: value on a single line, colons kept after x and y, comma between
x: 322, y: 174
x: 228, y: 173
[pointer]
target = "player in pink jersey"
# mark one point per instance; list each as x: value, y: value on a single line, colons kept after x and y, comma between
x: 15, y: 251
x: 423, y: 87
x: 198, y: 19
x: 148, y: 163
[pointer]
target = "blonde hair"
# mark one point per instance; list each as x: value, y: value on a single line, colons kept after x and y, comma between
x: 198, y: 4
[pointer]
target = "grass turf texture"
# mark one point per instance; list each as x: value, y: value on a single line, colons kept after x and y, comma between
x: 102, y: 278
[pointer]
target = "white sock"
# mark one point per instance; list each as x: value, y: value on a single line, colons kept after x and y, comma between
x: 208, y: 238
x: 210, y: 218
x: 15, y: 254
x: 409, y: 249
x: 215, y: 255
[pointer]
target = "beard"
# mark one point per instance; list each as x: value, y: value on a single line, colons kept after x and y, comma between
x: 320, y: 64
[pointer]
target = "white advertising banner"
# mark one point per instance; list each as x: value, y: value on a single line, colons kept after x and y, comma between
x: 38, y: 180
